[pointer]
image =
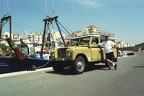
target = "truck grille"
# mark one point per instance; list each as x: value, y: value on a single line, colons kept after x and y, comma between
x: 62, y: 53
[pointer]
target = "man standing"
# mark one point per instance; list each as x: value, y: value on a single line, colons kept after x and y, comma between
x: 108, y: 49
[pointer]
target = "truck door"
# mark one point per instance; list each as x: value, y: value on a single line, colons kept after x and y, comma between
x: 97, y: 52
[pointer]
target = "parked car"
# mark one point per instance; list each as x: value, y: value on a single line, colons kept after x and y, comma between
x: 120, y: 53
x: 130, y: 53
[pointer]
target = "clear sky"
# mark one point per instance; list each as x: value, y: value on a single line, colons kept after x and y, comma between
x: 124, y: 18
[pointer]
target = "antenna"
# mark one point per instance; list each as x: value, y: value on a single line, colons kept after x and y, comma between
x: 53, y: 8
x: 46, y: 7
x: 8, y: 6
x: 4, y: 7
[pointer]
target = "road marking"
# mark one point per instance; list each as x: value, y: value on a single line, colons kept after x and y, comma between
x: 124, y: 56
x: 23, y: 72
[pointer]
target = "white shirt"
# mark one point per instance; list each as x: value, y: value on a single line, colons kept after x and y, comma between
x: 107, y: 46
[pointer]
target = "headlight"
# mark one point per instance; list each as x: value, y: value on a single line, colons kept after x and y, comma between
x: 69, y: 53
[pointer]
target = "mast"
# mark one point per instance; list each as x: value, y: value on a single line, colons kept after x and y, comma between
x: 53, y: 8
x: 0, y: 30
x: 10, y: 19
x: 48, y: 21
x: 60, y: 31
x: 4, y: 20
x: 43, y: 38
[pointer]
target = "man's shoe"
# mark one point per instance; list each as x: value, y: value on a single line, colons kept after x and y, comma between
x: 115, y: 66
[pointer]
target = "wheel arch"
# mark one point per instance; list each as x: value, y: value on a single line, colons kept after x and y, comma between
x: 84, y: 56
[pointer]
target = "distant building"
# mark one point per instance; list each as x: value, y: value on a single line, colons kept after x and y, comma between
x: 6, y: 35
x: 30, y: 37
x: 38, y: 38
x: 55, y: 36
x: 122, y: 44
x: 139, y: 47
x: 35, y: 37
x: 92, y: 29
x: 15, y: 37
x: 78, y: 33
x: 136, y: 48
x: 88, y: 30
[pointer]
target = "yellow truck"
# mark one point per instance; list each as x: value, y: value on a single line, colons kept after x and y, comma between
x: 81, y: 51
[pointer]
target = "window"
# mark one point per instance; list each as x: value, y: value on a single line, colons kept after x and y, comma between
x: 95, y: 40
x: 74, y: 42
x: 84, y: 40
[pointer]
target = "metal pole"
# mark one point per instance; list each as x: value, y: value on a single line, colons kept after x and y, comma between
x: 60, y: 32
x: 43, y: 39
x: 0, y: 30
x: 10, y: 28
x: 10, y: 32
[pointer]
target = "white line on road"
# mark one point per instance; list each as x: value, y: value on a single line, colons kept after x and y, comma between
x: 23, y: 72
x: 124, y: 56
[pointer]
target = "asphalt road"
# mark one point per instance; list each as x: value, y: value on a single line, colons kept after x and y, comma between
x: 127, y: 80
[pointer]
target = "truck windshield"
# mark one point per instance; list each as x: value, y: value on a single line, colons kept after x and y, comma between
x: 74, y: 42
x: 79, y: 41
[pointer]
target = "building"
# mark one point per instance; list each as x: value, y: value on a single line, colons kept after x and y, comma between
x: 15, y: 37
x: 139, y: 47
x: 122, y: 44
x: 88, y: 30
x: 35, y: 37
x: 92, y: 29
x: 78, y: 33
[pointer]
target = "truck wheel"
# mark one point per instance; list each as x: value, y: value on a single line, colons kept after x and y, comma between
x: 79, y: 65
x: 58, y: 68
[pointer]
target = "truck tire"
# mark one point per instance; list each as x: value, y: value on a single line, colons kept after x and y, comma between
x: 79, y: 65
x: 58, y: 68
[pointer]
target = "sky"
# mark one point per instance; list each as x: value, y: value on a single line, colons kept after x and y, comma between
x: 124, y: 18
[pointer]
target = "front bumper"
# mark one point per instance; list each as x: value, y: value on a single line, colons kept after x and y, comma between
x: 64, y: 63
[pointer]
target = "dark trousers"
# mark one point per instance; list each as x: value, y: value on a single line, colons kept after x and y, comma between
x: 109, y: 56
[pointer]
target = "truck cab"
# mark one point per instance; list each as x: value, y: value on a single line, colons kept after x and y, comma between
x: 80, y: 51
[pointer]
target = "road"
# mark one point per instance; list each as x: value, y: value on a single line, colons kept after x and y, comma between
x: 127, y: 80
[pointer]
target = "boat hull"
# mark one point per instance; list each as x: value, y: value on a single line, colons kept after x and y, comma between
x: 12, y: 64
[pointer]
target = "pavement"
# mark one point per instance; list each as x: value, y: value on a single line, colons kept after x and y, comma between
x: 127, y: 80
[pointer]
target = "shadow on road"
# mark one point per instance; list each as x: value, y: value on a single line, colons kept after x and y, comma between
x: 69, y: 71
x: 138, y: 66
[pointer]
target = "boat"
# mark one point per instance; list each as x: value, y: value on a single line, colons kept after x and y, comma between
x: 16, y: 60
x: 19, y: 61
